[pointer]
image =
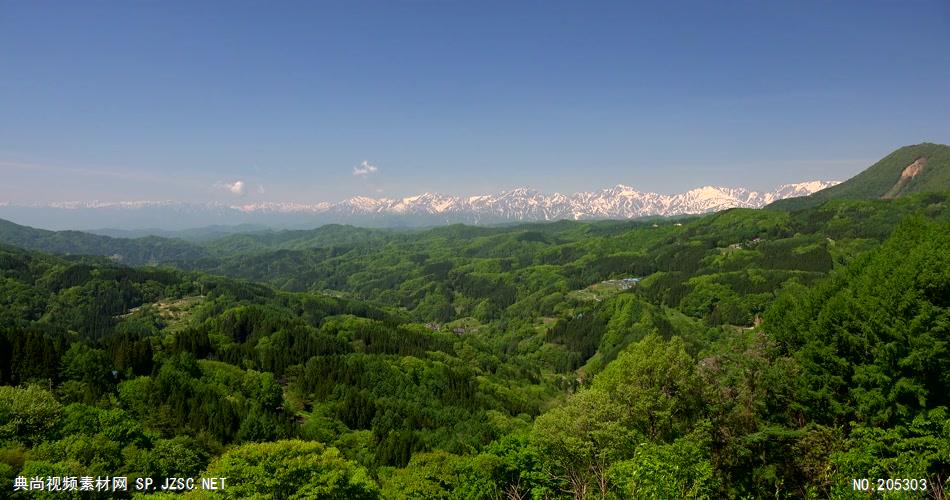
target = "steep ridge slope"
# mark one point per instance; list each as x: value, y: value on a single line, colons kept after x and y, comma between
x: 910, y: 169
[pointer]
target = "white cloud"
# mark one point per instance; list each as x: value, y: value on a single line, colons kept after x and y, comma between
x: 237, y: 188
x: 365, y: 168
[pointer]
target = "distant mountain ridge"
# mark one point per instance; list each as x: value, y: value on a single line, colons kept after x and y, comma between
x: 522, y: 204
x: 139, y: 251
x: 921, y: 168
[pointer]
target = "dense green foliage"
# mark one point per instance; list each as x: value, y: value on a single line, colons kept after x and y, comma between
x: 723, y: 268
x: 748, y: 353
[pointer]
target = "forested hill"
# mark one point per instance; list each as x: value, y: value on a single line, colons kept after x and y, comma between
x: 722, y: 268
x: 150, y: 250
x: 748, y: 353
x: 158, y: 372
x: 911, y: 169
x: 324, y: 236
x: 139, y: 251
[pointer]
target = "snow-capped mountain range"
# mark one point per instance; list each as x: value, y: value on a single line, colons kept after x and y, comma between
x: 522, y: 204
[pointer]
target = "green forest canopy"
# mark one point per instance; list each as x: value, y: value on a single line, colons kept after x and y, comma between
x: 746, y: 353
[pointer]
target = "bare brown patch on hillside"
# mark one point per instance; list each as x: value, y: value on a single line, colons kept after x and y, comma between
x: 909, y: 172
x: 914, y: 168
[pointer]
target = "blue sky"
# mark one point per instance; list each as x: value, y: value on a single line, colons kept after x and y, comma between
x: 179, y: 100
